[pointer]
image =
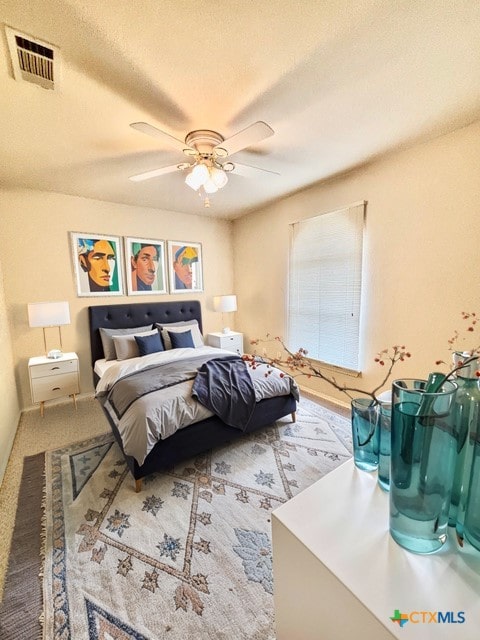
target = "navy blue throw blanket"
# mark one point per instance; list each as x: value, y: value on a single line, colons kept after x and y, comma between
x: 225, y: 387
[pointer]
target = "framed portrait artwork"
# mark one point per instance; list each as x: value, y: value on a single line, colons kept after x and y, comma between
x: 185, y: 266
x: 97, y: 264
x: 145, y: 266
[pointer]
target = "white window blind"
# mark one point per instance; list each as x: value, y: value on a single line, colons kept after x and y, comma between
x: 325, y: 286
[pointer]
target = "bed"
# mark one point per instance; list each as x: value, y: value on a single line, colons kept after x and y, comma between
x: 207, y: 431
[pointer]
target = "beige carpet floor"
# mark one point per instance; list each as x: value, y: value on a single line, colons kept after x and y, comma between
x: 60, y: 426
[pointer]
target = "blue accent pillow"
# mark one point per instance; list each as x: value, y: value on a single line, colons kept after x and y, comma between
x: 181, y: 339
x: 149, y: 344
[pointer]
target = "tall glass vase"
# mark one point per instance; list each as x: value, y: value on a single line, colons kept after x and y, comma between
x: 423, y: 452
x: 384, y: 439
x: 384, y: 445
x: 467, y: 420
x: 471, y: 528
x: 365, y: 433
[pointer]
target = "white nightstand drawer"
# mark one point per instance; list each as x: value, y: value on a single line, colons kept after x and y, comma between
x: 53, y: 368
x: 232, y: 341
x: 52, y: 386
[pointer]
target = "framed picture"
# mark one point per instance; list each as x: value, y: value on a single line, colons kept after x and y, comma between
x: 185, y: 266
x: 97, y: 264
x: 145, y: 266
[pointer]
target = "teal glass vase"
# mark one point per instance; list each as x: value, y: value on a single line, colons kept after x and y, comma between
x: 384, y: 445
x: 365, y: 433
x: 466, y: 413
x: 423, y: 454
x: 471, y: 529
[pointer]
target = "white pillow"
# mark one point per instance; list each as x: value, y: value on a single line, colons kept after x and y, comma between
x: 126, y: 346
x: 181, y: 327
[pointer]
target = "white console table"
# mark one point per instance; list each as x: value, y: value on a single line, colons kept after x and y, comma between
x: 338, y: 574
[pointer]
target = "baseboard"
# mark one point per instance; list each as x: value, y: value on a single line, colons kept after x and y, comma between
x: 58, y: 401
x: 7, y: 450
x: 323, y: 396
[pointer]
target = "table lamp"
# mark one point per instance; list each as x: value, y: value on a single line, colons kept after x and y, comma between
x: 49, y: 314
x: 225, y: 304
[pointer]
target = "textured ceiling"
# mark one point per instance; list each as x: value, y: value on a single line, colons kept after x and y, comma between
x: 340, y: 82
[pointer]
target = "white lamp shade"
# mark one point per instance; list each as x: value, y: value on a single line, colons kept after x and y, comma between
x: 197, y: 176
x: 219, y: 177
x: 225, y: 304
x: 210, y: 186
x: 191, y: 182
x: 48, y: 314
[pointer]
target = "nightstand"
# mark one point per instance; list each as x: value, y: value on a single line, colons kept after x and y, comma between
x: 50, y: 379
x: 232, y: 341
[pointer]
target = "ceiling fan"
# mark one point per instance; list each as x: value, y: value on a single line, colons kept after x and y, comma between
x: 207, y: 151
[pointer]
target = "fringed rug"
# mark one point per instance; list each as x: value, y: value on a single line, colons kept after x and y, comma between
x: 22, y: 598
x: 188, y: 557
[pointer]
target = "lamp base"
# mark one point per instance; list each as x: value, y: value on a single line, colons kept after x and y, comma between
x: 54, y: 354
x: 226, y: 330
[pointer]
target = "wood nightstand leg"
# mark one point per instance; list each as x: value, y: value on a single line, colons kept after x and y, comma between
x: 42, y: 406
x: 294, y: 416
x: 138, y: 485
x: 74, y: 396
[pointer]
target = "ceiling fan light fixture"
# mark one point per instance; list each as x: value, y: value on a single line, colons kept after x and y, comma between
x: 200, y: 171
x: 197, y: 176
x: 209, y: 186
x: 191, y: 182
x: 219, y: 177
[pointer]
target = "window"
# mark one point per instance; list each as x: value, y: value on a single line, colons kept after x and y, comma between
x: 325, y: 286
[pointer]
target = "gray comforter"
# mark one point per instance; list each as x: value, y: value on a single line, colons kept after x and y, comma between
x: 155, y: 415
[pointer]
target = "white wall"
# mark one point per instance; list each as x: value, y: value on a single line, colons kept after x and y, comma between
x: 9, y: 406
x: 38, y: 266
x: 421, y: 266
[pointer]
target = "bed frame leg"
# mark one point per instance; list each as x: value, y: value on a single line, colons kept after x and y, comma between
x: 294, y: 416
x: 138, y: 485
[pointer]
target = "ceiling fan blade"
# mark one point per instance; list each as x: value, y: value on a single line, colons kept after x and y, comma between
x: 245, y: 138
x: 248, y: 170
x: 150, y: 130
x: 156, y: 172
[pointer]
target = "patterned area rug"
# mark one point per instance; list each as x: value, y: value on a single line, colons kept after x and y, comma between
x: 188, y: 557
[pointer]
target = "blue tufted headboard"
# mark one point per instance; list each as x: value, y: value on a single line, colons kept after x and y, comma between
x: 122, y: 316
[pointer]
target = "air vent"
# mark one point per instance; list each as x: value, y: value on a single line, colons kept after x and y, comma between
x: 32, y: 60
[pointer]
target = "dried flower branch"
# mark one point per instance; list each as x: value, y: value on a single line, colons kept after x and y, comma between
x: 463, y: 358
x: 299, y: 364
